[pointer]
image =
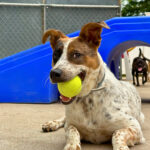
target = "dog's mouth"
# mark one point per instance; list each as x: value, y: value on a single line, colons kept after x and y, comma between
x: 140, y: 69
x: 67, y: 100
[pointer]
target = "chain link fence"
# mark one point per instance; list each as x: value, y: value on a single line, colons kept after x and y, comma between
x: 71, y: 19
x: 23, y: 22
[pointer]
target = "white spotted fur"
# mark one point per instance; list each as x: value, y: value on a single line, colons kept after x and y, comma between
x: 114, y: 113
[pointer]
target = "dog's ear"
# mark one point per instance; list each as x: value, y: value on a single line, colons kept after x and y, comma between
x: 90, y: 33
x: 54, y: 35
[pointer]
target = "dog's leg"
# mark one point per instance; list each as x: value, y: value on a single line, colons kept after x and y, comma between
x: 145, y: 77
x: 133, y: 77
x: 137, y: 79
x: 129, y: 136
x: 73, y: 139
x: 53, y: 125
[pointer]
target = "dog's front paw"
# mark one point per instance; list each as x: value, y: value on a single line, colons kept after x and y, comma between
x: 72, y: 147
x: 50, y: 126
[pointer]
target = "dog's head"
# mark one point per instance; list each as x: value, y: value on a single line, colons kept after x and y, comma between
x: 140, y: 64
x: 76, y: 56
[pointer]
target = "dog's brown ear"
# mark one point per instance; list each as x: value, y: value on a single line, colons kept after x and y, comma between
x: 54, y: 35
x: 90, y: 33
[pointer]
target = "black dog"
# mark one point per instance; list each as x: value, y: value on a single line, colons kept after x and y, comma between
x: 139, y: 67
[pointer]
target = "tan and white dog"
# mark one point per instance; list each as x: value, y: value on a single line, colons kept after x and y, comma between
x: 106, y: 108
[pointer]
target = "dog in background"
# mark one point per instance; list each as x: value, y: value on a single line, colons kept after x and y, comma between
x: 106, y: 108
x: 139, y: 67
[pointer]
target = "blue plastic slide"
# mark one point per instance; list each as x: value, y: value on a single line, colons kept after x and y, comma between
x: 24, y: 77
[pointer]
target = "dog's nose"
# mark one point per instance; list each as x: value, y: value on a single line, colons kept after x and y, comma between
x: 55, y: 74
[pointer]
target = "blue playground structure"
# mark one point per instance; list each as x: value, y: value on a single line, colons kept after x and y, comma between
x: 24, y: 77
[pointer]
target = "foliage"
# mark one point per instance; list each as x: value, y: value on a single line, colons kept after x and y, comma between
x: 135, y: 7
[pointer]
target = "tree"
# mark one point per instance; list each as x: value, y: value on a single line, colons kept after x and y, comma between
x: 135, y: 7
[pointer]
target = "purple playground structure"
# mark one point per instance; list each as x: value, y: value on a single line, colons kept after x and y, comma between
x: 24, y: 77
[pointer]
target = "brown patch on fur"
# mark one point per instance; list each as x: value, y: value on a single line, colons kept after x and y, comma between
x: 78, y: 148
x: 59, y: 46
x: 88, y: 56
x: 87, y: 43
x: 55, y: 35
x: 90, y: 33
x: 52, y: 63
x: 133, y: 134
x: 129, y: 135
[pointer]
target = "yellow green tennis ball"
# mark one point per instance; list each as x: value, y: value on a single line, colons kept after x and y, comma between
x: 70, y: 88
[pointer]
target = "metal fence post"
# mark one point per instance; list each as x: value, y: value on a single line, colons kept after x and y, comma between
x: 22, y: 24
x: 44, y: 16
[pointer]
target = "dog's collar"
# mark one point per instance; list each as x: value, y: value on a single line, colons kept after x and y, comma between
x: 99, y: 86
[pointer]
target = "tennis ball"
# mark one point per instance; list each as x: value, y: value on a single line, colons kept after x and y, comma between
x: 70, y: 88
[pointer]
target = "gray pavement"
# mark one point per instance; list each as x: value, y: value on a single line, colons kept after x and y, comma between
x: 20, y: 126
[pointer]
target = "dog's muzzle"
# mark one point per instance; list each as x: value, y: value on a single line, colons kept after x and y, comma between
x: 56, y: 76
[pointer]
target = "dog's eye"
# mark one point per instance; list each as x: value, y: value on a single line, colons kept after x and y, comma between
x: 76, y: 55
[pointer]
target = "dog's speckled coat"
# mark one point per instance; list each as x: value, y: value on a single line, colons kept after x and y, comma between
x: 113, y: 112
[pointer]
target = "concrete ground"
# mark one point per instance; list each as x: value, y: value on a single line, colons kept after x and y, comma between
x: 144, y: 90
x: 20, y: 127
